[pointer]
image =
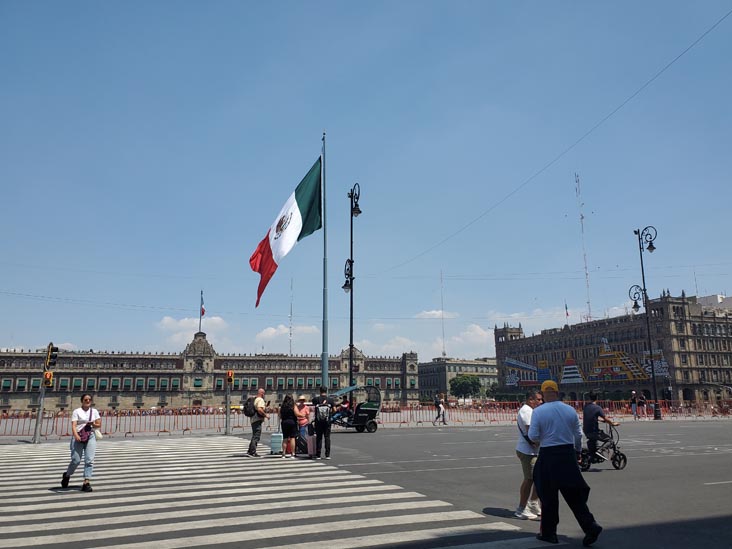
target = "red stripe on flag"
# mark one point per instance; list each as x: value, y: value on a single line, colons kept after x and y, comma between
x: 263, y: 263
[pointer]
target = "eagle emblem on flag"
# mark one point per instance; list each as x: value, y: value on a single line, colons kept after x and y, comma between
x: 282, y: 224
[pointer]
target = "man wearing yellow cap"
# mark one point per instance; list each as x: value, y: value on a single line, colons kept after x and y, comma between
x: 556, y: 427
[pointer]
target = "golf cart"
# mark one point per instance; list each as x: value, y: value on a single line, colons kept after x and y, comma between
x: 363, y: 416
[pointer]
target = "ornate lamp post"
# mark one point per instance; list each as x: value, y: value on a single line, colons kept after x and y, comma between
x: 646, y: 237
x: 353, y: 195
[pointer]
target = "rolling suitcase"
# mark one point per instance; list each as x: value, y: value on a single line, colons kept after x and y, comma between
x: 305, y: 446
x: 275, y: 443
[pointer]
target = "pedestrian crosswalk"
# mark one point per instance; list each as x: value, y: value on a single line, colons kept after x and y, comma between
x: 203, y: 492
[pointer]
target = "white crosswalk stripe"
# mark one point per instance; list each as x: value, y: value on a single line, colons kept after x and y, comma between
x: 203, y: 492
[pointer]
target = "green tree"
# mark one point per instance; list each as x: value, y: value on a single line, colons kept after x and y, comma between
x: 465, y: 385
x: 491, y: 390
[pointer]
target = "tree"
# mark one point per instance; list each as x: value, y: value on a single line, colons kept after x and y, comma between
x: 492, y: 390
x: 465, y: 385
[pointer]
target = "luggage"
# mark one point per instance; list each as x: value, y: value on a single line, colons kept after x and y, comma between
x: 275, y: 443
x: 305, y: 446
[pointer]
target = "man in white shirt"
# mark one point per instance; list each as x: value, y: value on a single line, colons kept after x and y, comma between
x: 527, y: 452
x: 556, y: 427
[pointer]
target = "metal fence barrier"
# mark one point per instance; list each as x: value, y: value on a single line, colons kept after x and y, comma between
x: 125, y: 423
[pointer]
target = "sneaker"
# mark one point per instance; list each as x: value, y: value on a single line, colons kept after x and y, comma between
x: 86, y: 487
x: 534, y: 507
x: 327, y: 457
x: 316, y: 457
x: 592, y: 535
x: 256, y: 456
x: 65, y: 481
x: 549, y: 538
x: 525, y: 514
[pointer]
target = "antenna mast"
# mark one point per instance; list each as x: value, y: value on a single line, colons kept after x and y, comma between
x: 580, y: 205
x: 290, y: 316
x: 442, y: 315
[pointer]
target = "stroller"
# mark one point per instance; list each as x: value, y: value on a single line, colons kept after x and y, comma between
x: 607, y: 450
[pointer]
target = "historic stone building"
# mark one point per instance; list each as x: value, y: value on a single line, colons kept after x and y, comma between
x: 691, y: 348
x: 435, y: 376
x: 194, y: 378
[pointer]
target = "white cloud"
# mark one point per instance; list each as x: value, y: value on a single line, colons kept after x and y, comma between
x: 180, y: 331
x: 436, y: 314
x: 274, y: 332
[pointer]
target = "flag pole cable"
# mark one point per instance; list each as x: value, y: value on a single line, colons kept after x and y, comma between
x: 324, y: 355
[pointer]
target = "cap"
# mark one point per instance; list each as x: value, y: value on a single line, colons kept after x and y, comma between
x: 301, y: 397
x: 633, y: 392
x: 549, y: 385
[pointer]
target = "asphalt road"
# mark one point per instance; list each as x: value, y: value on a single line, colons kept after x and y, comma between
x: 675, y: 492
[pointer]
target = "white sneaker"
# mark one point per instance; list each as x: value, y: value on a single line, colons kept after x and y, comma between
x: 534, y: 507
x: 525, y: 514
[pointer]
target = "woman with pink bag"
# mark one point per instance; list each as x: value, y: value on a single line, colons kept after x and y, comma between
x: 84, y: 421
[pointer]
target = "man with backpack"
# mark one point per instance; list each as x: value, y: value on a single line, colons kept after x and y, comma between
x: 323, y: 409
x: 256, y: 419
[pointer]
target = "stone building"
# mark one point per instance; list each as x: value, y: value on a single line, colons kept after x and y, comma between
x: 435, y: 376
x: 194, y: 378
x: 691, y: 342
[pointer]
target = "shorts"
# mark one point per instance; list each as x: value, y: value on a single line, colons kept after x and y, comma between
x: 289, y: 428
x: 527, y: 464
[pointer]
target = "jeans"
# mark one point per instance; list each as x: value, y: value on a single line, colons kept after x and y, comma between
x: 256, y: 435
x: 88, y: 449
x: 303, y: 430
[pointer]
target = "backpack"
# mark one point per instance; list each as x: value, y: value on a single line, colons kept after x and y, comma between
x: 322, y: 412
x: 249, y: 409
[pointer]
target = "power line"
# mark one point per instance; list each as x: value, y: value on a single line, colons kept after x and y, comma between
x: 566, y: 150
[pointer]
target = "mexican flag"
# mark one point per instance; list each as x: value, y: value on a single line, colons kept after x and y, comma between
x: 300, y: 216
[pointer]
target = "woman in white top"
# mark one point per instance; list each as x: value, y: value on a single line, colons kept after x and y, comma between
x: 83, y: 422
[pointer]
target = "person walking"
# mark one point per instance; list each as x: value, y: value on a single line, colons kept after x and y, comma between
x: 323, y: 409
x: 527, y: 453
x: 257, y: 419
x: 440, y: 403
x: 592, y: 414
x: 83, y: 441
x: 555, y: 426
x: 634, y: 405
x: 642, y: 406
x: 288, y: 422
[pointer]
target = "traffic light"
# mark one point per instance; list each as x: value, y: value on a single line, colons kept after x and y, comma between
x: 51, y: 356
x: 230, y: 376
x: 48, y: 379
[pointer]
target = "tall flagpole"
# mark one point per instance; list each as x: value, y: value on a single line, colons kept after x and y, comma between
x: 200, y: 312
x: 324, y: 355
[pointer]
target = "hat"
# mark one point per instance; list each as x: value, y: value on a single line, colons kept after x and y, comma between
x: 633, y: 392
x: 301, y: 397
x: 549, y: 385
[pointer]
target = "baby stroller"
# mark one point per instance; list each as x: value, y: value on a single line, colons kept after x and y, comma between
x: 607, y: 450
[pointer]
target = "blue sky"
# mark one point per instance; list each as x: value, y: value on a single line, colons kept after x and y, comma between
x: 147, y: 147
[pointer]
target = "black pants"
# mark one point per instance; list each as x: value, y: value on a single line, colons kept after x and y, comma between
x: 556, y: 470
x: 322, y: 430
x: 592, y: 439
x: 256, y: 435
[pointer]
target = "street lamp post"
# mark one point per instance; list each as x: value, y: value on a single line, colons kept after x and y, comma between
x: 353, y: 195
x: 646, y: 237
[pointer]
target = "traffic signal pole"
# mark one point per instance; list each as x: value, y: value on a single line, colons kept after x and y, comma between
x: 229, y: 382
x: 39, y: 416
x: 50, y: 361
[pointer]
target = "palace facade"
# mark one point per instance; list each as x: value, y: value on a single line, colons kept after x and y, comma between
x: 435, y: 376
x: 691, y: 341
x: 194, y: 378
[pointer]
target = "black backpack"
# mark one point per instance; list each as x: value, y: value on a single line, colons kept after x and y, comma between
x: 249, y: 409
